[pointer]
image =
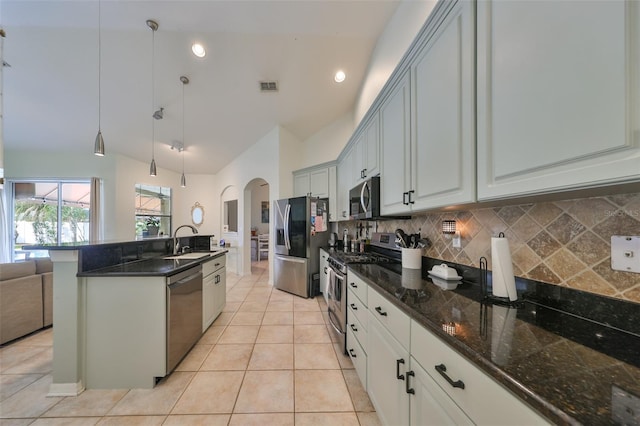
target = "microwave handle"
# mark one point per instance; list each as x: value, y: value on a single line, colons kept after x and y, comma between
x: 365, y: 186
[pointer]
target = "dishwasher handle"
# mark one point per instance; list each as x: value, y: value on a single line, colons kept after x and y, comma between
x: 177, y: 280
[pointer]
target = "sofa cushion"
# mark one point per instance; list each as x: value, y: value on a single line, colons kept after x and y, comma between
x: 20, y: 307
x: 47, y: 298
x: 9, y: 271
x: 43, y: 265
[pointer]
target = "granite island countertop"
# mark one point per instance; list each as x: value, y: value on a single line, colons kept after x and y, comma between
x: 570, y: 369
x: 154, y: 266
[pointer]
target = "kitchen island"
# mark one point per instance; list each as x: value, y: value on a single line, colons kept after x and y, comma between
x: 110, y: 311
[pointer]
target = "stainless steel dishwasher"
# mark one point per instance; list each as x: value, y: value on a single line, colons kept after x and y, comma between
x: 184, y: 314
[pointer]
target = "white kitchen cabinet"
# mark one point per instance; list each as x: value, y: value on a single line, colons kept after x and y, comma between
x: 214, y: 292
x: 388, y: 362
x: 324, y: 274
x: 366, y: 151
x: 357, y: 320
x: 558, y: 101
x: 344, y: 178
x: 443, y: 114
x: 482, y: 399
x: 317, y: 181
x: 312, y: 183
x: 427, y: 123
x: 428, y: 403
x: 395, y: 140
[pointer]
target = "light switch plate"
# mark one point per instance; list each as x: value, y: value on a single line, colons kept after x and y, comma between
x: 625, y: 253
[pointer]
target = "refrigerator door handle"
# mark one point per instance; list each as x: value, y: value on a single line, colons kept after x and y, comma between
x: 287, y: 213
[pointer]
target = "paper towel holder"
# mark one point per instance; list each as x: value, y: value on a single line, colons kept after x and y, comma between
x: 484, y: 288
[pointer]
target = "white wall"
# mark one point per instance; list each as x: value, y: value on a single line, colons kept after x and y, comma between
x: 327, y: 144
x: 391, y: 46
x: 403, y: 27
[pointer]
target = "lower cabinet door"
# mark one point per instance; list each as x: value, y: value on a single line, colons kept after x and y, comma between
x: 220, y: 291
x: 208, y: 301
x: 429, y: 404
x: 386, y: 361
x: 358, y: 357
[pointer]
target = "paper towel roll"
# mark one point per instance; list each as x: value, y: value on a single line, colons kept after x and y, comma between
x: 504, y: 282
x: 502, y: 326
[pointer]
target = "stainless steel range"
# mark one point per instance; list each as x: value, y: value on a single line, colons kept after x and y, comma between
x: 383, y: 250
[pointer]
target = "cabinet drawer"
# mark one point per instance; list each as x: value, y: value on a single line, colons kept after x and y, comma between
x: 482, y: 399
x: 356, y: 308
x: 358, y: 357
x: 210, y: 266
x: 358, y: 331
x: 394, y: 320
x: 357, y: 286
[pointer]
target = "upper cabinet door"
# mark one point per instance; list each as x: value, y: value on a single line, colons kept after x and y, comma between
x: 372, y: 149
x: 558, y: 95
x: 301, y: 184
x: 395, y: 135
x: 319, y: 183
x: 443, y: 149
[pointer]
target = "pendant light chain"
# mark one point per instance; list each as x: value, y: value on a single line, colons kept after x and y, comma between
x: 183, y: 179
x: 154, y: 27
x: 99, y: 67
x: 98, y: 146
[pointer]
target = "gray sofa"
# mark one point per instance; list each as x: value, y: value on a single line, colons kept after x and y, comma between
x: 26, y: 298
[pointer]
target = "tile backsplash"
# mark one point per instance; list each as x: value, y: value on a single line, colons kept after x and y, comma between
x: 566, y: 242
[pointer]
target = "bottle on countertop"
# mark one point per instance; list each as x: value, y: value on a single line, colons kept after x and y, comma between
x: 345, y: 240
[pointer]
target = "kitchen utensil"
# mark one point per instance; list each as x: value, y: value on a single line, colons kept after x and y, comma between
x: 404, y: 239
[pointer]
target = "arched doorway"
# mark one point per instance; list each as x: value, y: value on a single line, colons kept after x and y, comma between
x: 257, y: 218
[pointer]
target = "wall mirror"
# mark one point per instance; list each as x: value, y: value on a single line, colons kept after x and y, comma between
x: 197, y: 214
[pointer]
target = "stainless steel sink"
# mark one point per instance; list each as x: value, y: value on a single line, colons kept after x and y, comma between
x: 187, y: 256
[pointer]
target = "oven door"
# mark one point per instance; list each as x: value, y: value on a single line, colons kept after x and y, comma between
x: 337, y: 306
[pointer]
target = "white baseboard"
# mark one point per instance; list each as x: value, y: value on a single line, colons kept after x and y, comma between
x: 66, y: 389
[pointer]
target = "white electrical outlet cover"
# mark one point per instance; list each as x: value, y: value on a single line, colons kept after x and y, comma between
x: 625, y: 253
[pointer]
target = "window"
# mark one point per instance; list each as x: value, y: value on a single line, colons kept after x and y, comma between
x: 153, y: 211
x: 49, y: 212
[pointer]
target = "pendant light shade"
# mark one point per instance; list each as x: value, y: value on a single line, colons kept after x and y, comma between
x: 154, y: 27
x: 183, y: 179
x: 98, y: 146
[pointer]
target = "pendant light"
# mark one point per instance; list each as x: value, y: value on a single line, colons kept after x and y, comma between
x: 98, y: 146
x: 183, y: 179
x: 154, y: 27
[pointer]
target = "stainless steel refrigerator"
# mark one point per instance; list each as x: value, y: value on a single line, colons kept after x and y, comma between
x: 301, y: 228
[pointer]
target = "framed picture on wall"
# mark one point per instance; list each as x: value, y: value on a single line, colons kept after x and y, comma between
x: 265, y: 212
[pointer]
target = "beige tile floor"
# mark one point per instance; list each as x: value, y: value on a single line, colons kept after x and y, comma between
x: 268, y: 359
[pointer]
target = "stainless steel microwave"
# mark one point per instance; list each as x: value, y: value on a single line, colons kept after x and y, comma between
x: 364, y: 200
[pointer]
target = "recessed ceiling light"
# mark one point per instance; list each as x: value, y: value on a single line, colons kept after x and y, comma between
x: 198, y: 50
x: 339, y: 77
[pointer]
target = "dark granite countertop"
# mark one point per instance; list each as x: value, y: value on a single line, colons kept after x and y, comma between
x: 151, y: 267
x: 570, y: 369
x: 80, y: 245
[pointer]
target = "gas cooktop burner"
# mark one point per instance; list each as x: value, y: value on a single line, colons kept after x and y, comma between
x: 364, y: 258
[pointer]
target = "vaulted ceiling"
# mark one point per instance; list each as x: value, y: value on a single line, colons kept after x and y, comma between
x: 51, y: 87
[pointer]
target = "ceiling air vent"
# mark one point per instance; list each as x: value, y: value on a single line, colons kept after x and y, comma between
x: 268, y: 86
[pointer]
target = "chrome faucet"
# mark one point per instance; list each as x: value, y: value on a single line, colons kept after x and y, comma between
x: 176, y: 242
